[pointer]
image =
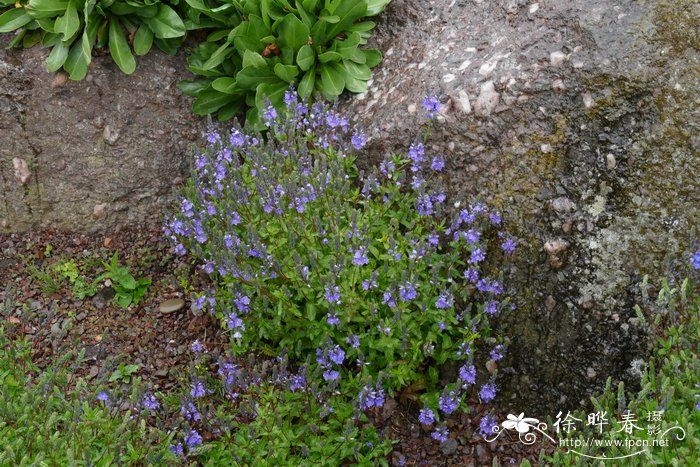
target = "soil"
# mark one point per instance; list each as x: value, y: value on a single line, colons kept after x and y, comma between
x: 55, y: 321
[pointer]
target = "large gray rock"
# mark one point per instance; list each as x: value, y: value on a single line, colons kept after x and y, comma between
x: 579, y: 119
x: 93, y: 154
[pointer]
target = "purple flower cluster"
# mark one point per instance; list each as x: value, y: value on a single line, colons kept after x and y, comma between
x: 488, y: 392
x: 371, y: 397
x: 487, y: 425
x: 449, y: 402
x: 426, y: 416
x: 440, y: 434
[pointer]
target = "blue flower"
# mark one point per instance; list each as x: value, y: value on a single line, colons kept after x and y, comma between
x: 337, y: 355
x: 150, y: 402
x: 297, y: 383
x: 509, y: 245
x: 332, y: 319
x: 353, y: 341
x: 370, y: 397
x: 360, y: 257
x: 497, y: 353
x: 198, y: 389
x: 358, y: 140
x: 467, y: 373
x: 438, y: 163
x: 449, y: 402
x: 190, y: 412
x: 495, y: 217
x: 695, y: 260
x: 426, y: 416
x: 102, y: 396
x: 477, y: 256
x: 388, y: 299
x: 486, y: 426
x: 177, y: 449
x: 193, y: 439
x: 444, y: 301
x: 333, y: 294
x: 432, y: 105
x: 440, y: 434
x: 407, y: 292
x: 488, y: 392
x: 330, y: 375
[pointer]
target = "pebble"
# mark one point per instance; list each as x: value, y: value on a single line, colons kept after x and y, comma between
x: 99, y: 211
x: 94, y: 371
x: 557, y: 58
x: 563, y: 204
x: 610, y: 161
x: 110, y: 135
x: 60, y: 79
x: 487, y: 100
x: 22, y: 173
x: 99, y: 301
x: 449, y: 447
x: 172, y: 305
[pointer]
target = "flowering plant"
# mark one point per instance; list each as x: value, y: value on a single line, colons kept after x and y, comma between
x: 372, y: 278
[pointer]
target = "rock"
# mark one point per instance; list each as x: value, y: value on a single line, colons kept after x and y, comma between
x: 99, y: 211
x: 94, y: 371
x: 562, y: 205
x: 59, y: 129
x: 557, y: 58
x: 111, y: 135
x: 487, y: 100
x: 550, y: 303
x: 610, y: 161
x: 59, y: 79
x: 22, y: 173
x: 172, y: 305
x: 555, y: 250
x: 449, y: 447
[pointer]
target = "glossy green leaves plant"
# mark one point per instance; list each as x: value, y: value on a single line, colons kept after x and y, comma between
x: 314, y: 44
x: 73, y: 28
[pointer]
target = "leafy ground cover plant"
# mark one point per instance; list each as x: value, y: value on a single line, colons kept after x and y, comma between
x: 47, y: 418
x: 315, y: 44
x: 73, y: 28
x: 670, y: 390
x: 128, y: 290
x: 373, y: 280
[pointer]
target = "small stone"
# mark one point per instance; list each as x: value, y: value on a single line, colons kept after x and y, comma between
x: 491, y: 366
x: 587, y: 100
x: 107, y: 242
x: 546, y: 148
x: 567, y: 226
x: 22, y: 172
x: 60, y: 79
x: 449, y: 447
x: 563, y: 204
x: 558, y: 85
x: 411, y: 108
x: 172, y: 305
x: 550, y: 302
x: 110, y: 135
x: 462, y: 103
x: 99, y: 211
x: 557, y: 58
x: 94, y: 371
x: 99, y: 301
x: 534, y: 7
x: 554, y: 247
x: 590, y: 372
x: 56, y: 328
x: 487, y: 100
x: 610, y: 161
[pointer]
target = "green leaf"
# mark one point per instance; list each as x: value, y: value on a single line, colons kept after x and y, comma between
x: 57, y: 57
x: 253, y: 59
x: 332, y: 82
x: 210, y: 100
x: 374, y: 7
x: 226, y: 84
x: 166, y: 24
x: 357, y: 71
x: 349, y: 12
x: 306, y: 58
x: 31, y: 38
x: 193, y: 88
x: 75, y: 63
x: 329, y: 56
x: 306, y: 85
x: 230, y: 109
x: 69, y: 23
x: 14, y: 19
x: 286, y: 72
x: 119, y: 48
x: 46, y: 8
x: 123, y: 301
x: 374, y: 56
x: 293, y: 33
x: 143, y: 40
x: 353, y: 84
x: 218, y: 56
x: 330, y: 19
x: 250, y: 78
